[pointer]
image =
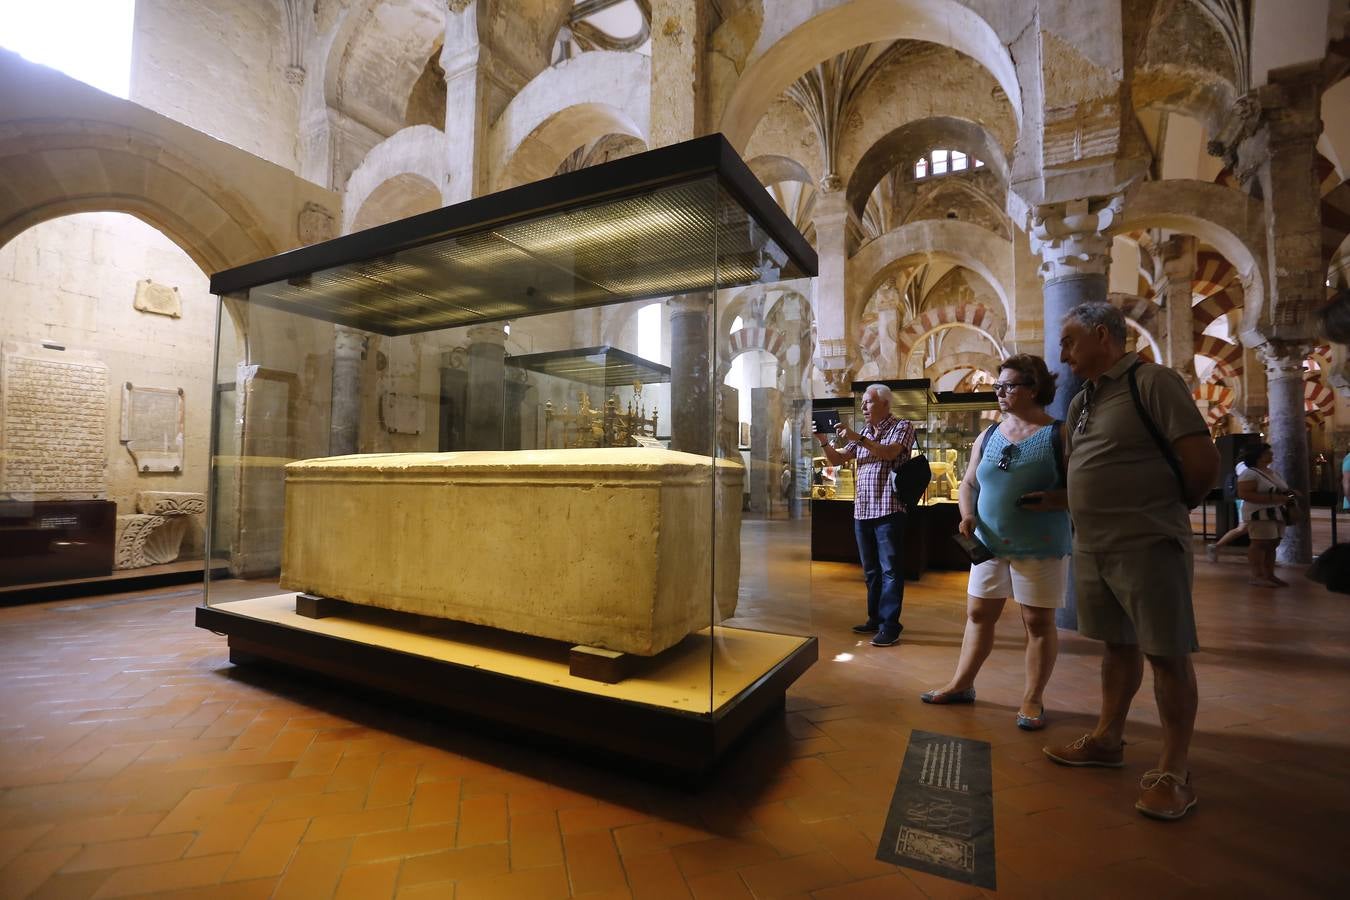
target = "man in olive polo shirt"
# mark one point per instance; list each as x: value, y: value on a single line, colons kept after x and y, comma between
x: 1132, y: 557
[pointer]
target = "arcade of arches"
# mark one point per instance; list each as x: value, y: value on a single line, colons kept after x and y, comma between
x: 967, y: 170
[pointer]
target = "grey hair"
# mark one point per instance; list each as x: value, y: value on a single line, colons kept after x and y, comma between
x: 1099, y: 312
x: 881, y: 391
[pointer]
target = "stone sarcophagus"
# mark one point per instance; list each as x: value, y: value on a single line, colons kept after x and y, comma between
x: 624, y: 549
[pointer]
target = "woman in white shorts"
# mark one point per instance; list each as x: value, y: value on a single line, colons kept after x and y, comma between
x: 1012, y: 467
x: 1265, y: 499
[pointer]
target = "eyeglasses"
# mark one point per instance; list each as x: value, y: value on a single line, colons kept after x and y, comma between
x: 1081, y: 425
x: 1005, y: 461
x: 1003, y: 387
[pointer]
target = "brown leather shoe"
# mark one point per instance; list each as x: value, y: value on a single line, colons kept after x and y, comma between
x: 1165, y: 795
x: 1087, y: 752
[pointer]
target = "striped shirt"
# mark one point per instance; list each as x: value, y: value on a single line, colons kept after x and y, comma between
x: 874, y: 497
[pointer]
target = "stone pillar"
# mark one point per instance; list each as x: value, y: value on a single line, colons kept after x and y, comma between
x: 679, y: 33
x: 693, y: 413
x: 480, y: 81
x: 833, y: 350
x: 1075, y: 260
x: 766, y: 451
x: 888, y: 332
x: 485, y: 401
x: 349, y: 349
x: 1288, y: 436
x: 1179, y: 264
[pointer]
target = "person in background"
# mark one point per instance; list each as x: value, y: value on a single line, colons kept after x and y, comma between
x: 1266, y: 498
x: 1232, y: 534
x: 1139, y: 457
x: 878, y: 519
x: 1011, y: 463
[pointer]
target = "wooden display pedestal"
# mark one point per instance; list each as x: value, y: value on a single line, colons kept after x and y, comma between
x: 664, y: 714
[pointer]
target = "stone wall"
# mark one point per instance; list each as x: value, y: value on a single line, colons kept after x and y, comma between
x: 73, y: 281
x: 219, y: 66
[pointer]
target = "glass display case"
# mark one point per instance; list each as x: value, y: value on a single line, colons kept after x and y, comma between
x: 472, y: 459
x: 955, y: 421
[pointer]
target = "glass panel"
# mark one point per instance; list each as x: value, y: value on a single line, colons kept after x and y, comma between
x: 955, y: 421
x: 921, y: 168
x: 939, y: 162
x: 592, y: 533
x: 958, y: 161
x: 763, y: 350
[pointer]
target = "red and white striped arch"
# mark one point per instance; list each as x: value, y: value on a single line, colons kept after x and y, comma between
x: 972, y: 315
x: 754, y: 337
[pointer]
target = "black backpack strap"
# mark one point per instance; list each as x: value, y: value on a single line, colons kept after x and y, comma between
x: 1165, y: 448
x: 1057, y: 445
x: 984, y: 439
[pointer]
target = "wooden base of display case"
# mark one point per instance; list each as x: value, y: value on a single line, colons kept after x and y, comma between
x: 665, y: 715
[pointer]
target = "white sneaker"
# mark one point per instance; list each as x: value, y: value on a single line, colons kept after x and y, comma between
x: 1212, y: 552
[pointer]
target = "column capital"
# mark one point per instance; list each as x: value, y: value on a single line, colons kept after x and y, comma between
x: 695, y: 304
x: 491, y: 333
x: 1284, y: 359
x: 1071, y: 238
x: 1178, y: 255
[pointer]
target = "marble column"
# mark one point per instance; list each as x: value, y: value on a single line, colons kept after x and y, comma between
x: 833, y: 347
x: 486, y: 395
x: 766, y: 451
x: 1288, y: 435
x: 1179, y: 265
x: 1075, y: 253
x: 349, y: 349
x: 693, y: 413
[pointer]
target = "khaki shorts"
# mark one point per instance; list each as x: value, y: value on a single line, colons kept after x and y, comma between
x: 1138, y: 597
x: 1265, y: 530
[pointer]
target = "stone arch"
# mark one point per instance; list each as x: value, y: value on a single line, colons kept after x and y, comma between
x: 397, y: 198
x: 1226, y: 355
x: 947, y: 240
x: 907, y: 143
x: 1142, y: 314
x: 941, y: 190
x: 966, y: 359
x: 755, y: 337
x: 68, y: 166
x: 608, y: 93
x: 771, y: 168
x: 402, y: 175
x: 975, y: 316
x: 1232, y: 223
x: 384, y: 43
x: 806, y: 32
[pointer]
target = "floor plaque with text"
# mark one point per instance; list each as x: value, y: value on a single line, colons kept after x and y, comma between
x: 942, y: 813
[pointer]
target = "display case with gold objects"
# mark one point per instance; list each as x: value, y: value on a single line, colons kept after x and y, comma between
x: 472, y: 458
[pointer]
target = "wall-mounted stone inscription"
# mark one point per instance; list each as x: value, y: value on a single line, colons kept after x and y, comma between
x: 53, y: 424
x: 152, y: 427
x: 159, y: 299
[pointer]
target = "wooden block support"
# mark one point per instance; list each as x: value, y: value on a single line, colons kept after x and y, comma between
x: 598, y: 664
x: 312, y: 606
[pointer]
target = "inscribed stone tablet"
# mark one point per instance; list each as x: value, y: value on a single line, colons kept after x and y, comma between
x: 158, y: 298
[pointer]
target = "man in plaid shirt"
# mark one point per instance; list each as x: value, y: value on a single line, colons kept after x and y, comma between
x: 879, y: 519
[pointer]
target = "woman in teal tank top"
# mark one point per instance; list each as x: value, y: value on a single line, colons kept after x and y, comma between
x: 1003, y: 504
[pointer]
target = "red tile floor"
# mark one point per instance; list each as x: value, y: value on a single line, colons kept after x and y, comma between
x: 135, y: 760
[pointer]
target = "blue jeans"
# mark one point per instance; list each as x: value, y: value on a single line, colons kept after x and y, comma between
x: 879, y: 548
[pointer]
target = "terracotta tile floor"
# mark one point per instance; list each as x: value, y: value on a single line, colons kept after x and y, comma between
x: 134, y: 759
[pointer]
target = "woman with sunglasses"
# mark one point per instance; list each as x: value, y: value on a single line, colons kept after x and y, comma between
x: 1030, y: 542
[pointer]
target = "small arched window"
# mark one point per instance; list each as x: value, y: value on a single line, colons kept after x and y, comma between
x: 943, y: 161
